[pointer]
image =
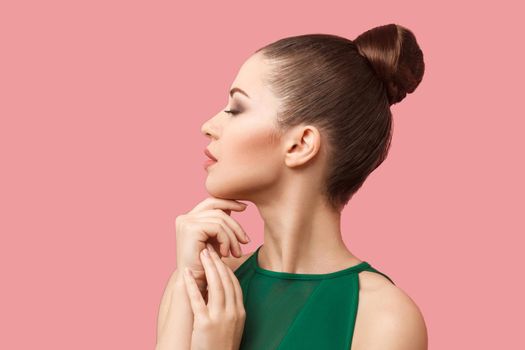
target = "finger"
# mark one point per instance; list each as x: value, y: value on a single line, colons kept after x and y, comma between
x: 232, y: 235
x: 240, y: 233
x: 234, y: 224
x: 215, y: 230
x: 227, y: 284
x: 197, y: 302
x: 239, y: 302
x: 215, y: 289
x: 219, y: 203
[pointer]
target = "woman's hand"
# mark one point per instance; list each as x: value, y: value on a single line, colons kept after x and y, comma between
x: 208, y: 222
x: 219, y: 324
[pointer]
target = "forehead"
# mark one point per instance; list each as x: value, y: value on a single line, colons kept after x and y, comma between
x: 251, y: 78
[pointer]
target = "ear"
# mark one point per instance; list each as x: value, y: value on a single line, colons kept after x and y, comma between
x: 302, y: 144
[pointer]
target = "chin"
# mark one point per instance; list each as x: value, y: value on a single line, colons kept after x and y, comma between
x: 216, y: 189
x: 226, y: 190
x: 220, y: 192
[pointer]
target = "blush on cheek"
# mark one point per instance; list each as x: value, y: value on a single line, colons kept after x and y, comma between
x: 254, y: 147
x: 248, y: 165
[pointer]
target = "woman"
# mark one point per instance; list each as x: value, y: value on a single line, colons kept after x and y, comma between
x: 308, y: 120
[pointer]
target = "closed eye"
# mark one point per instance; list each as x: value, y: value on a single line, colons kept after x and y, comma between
x: 232, y: 112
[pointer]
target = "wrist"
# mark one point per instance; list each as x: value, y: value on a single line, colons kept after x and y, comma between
x: 199, y: 277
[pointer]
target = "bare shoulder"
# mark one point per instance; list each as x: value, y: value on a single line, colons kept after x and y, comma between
x: 387, y: 318
x: 233, y: 262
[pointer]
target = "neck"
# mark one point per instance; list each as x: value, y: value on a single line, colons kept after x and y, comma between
x: 302, y: 235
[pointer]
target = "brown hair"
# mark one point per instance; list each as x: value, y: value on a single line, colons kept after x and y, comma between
x: 345, y: 88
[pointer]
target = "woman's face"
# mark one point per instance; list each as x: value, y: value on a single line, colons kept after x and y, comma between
x: 249, y: 158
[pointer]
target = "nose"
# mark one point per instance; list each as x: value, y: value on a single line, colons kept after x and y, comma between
x: 205, y: 128
x: 209, y: 127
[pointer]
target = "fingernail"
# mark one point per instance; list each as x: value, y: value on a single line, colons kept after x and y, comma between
x: 206, y: 252
x: 187, y: 271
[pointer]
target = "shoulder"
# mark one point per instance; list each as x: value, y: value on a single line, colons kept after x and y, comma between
x: 233, y: 262
x: 387, y: 318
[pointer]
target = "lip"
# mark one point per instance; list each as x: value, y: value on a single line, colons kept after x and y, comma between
x: 208, y: 153
x: 209, y: 162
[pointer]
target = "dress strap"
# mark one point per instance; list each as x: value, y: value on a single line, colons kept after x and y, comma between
x: 372, y: 269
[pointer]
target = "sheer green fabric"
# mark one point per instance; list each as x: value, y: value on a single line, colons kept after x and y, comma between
x: 299, y: 311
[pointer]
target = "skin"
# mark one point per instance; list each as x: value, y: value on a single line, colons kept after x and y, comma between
x: 281, y: 177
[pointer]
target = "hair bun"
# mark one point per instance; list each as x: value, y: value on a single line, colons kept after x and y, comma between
x: 395, y: 56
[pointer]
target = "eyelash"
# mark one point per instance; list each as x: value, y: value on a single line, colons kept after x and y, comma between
x: 232, y: 112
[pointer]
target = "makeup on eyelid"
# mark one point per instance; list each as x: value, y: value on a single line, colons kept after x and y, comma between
x: 232, y: 112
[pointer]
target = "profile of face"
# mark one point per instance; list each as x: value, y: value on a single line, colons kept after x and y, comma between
x: 253, y: 161
x: 249, y: 159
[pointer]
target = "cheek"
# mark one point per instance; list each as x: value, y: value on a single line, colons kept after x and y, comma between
x: 251, y: 149
x: 249, y: 162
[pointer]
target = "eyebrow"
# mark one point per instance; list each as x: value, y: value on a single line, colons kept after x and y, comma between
x: 236, y: 89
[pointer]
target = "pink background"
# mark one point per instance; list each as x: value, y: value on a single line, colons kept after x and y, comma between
x: 101, y: 104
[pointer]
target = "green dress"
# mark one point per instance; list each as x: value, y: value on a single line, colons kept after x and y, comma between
x: 299, y: 311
